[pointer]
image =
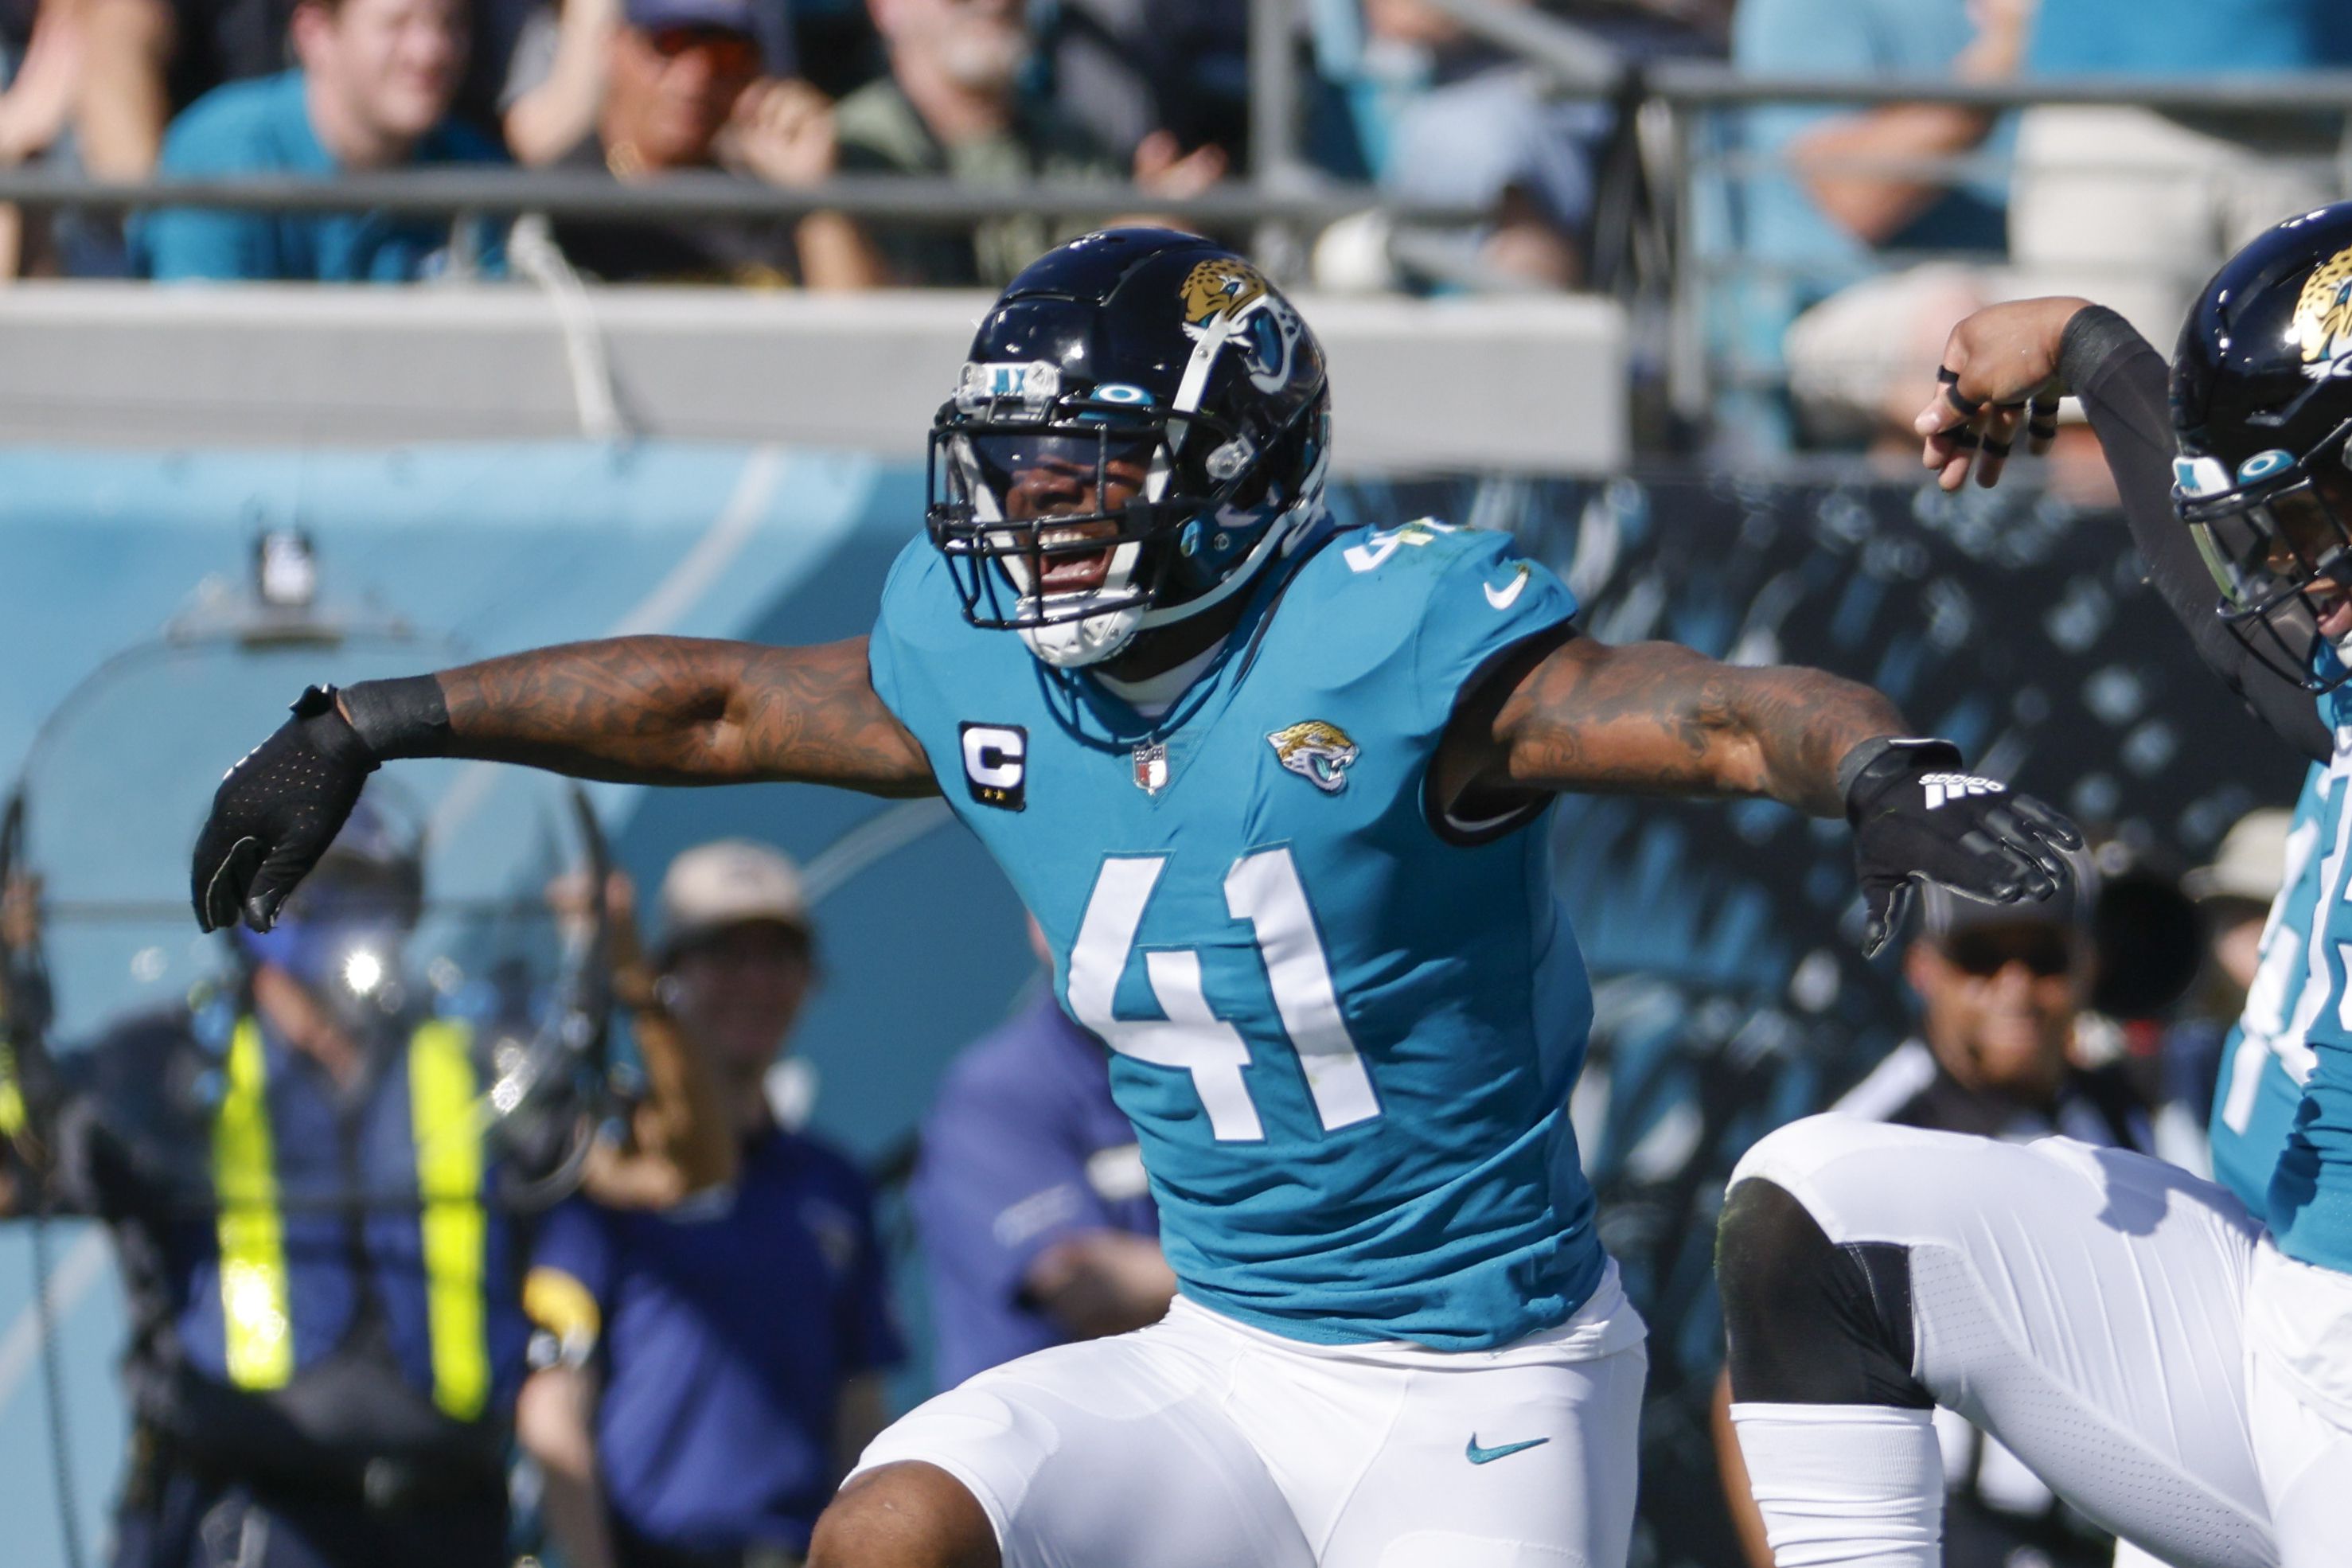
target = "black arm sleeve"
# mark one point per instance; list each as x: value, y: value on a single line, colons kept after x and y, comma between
x: 2121, y: 382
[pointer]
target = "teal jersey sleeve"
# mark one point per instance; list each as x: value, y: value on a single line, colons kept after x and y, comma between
x: 1488, y: 599
x: 900, y: 591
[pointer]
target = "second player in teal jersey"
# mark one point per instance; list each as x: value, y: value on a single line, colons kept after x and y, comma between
x: 2267, y: 1058
x: 2172, y: 1356
x: 1275, y: 791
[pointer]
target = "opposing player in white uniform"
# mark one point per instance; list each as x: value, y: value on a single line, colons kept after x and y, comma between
x: 1274, y: 791
x: 2179, y: 1372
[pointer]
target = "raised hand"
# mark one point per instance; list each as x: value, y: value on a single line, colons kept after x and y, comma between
x: 783, y: 132
x: 2000, y: 370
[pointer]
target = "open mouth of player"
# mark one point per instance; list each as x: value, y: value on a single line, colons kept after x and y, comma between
x: 1052, y: 518
x: 1059, y: 569
x: 2333, y: 606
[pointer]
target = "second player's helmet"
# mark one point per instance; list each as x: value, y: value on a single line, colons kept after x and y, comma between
x: 1142, y: 424
x: 2262, y: 404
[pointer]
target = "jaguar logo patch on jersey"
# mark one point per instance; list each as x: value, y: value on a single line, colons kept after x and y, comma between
x: 1319, y: 752
x: 2323, y: 315
x: 996, y: 764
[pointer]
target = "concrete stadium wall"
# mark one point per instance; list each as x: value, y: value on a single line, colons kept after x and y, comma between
x: 1532, y: 384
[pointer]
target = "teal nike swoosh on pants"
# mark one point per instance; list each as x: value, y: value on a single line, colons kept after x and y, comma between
x: 1478, y: 1455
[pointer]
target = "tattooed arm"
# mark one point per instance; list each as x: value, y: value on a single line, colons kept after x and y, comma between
x: 686, y: 710
x: 670, y: 710
x: 1565, y: 713
x: 1653, y: 719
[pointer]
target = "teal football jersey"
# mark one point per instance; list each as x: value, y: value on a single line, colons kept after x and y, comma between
x: 2310, y: 1207
x: 2267, y: 1056
x: 1346, y: 1036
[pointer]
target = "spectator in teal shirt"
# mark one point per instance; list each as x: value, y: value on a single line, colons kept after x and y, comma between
x: 1802, y: 228
x: 2189, y: 37
x: 373, y: 93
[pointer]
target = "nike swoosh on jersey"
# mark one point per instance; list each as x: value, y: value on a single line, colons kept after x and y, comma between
x: 1501, y: 599
x: 1478, y: 1455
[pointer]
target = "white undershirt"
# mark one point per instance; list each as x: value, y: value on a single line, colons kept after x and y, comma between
x: 1155, y: 694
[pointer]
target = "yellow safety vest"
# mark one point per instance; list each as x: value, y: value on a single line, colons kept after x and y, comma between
x: 11, y: 1094
x: 446, y: 1124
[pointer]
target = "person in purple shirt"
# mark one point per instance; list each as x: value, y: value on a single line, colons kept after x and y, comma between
x: 709, y: 1370
x: 1036, y: 1220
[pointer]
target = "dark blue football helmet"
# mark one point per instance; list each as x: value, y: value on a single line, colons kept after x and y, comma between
x: 2262, y: 404
x: 1142, y: 425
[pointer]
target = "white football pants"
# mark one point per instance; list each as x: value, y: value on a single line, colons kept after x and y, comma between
x: 1202, y: 1443
x: 2088, y: 1308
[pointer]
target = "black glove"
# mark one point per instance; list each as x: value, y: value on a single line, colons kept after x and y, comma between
x: 276, y: 812
x: 1916, y: 816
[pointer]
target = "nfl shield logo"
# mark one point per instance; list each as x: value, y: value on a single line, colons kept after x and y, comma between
x: 1150, y: 766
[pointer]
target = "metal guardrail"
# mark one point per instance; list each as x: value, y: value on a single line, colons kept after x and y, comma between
x: 947, y: 204
x: 1696, y: 82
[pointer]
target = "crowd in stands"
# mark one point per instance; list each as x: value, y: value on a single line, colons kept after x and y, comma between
x: 1834, y: 243
x: 790, y: 92
x: 1851, y: 239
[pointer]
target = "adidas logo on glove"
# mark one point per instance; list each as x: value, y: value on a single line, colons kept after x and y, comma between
x: 1942, y: 787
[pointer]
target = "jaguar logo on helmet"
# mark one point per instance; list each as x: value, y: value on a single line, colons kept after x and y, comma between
x: 1219, y: 286
x: 1228, y: 301
x: 2323, y: 315
x: 1319, y: 752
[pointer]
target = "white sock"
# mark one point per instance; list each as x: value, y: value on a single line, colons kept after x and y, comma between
x: 1858, y: 1486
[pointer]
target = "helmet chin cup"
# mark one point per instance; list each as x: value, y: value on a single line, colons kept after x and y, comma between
x: 1089, y: 639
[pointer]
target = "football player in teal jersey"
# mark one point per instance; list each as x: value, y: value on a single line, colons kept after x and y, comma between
x: 2172, y: 1356
x: 1274, y: 791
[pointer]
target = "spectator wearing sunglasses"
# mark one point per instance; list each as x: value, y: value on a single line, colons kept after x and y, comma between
x: 2001, y: 989
x: 684, y: 87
